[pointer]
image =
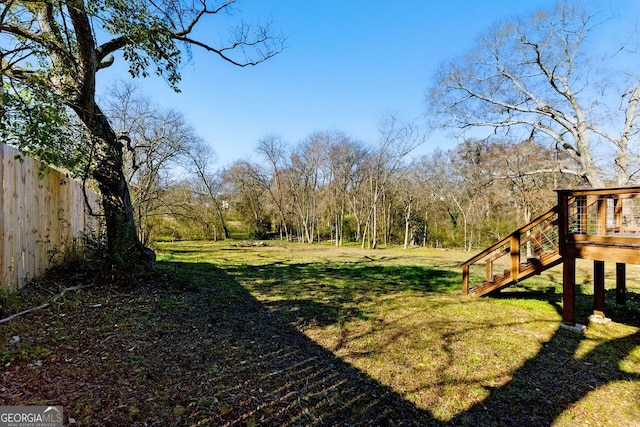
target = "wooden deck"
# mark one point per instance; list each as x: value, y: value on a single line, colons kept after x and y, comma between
x: 595, y: 224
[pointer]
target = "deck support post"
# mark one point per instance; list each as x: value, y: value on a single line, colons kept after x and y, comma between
x: 569, y: 291
x: 598, y: 288
x: 621, y: 283
x: 515, y: 257
x: 465, y: 279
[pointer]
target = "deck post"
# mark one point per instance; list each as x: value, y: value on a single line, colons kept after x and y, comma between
x: 617, y: 214
x: 598, y: 266
x: 563, y: 222
x: 515, y: 256
x: 465, y: 279
x: 598, y: 288
x: 569, y: 291
x: 568, y: 263
x: 621, y: 283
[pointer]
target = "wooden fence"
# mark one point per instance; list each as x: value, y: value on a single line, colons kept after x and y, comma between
x: 42, y: 213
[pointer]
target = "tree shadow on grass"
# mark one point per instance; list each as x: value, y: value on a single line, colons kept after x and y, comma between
x: 204, y: 351
x: 560, y: 374
x: 325, y: 294
x: 272, y: 374
x: 284, y: 378
x: 549, y: 384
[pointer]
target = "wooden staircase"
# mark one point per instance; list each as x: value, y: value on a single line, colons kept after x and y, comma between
x: 528, y: 251
x: 598, y: 224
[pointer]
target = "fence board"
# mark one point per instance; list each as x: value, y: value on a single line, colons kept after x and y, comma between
x: 40, y: 213
x: 11, y: 223
x: 2, y: 231
x: 3, y: 256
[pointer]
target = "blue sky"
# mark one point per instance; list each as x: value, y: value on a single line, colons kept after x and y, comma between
x: 347, y: 63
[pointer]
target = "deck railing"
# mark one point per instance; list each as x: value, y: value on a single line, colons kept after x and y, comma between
x: 600, y: 224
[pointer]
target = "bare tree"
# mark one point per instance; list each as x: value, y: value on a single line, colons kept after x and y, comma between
x: 397, y: 139
x: 306, y: 176
x: 524, y: 168
x: 274, y: 151
x: 248, y: 197
x: 345, y: 159
x: 157, y: 142
x: 208, y: 184
x: 407, y: 194
x: 454, y: 191
x: 532, y: 77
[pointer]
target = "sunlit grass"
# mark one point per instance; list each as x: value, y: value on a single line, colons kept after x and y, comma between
x: 398, y: 316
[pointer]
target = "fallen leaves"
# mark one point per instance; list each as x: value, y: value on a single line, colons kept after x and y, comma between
x: 157, y: 354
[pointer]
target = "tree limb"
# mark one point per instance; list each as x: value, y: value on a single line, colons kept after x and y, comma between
x: 87, y: 62
x: 540, y: 172
x: 15, y: 71
x: 242, y: 43
x: 201, y: 13
x: 36, y: 38
x: 49, y: 301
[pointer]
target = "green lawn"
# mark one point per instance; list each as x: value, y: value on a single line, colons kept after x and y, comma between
x: 232, y: 334
x: 397, y: 316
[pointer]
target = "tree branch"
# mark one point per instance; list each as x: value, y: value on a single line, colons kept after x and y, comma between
x: 87, y: 63
x: 49, y: 301
x: 540, y: 172
x: 204, y: 11
x: 111, y: 46
x: 221, y: 52
x: 16, y: 72
x: 36, y: 38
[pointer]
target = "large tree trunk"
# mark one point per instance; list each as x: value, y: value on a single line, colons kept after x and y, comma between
x: 124, y: 249
x: 123, y: 245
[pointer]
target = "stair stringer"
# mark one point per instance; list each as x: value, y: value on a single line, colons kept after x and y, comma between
x: 505, y: 280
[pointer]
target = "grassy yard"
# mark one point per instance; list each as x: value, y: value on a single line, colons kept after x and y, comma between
x: 397, y: 316
x: 291, y: 334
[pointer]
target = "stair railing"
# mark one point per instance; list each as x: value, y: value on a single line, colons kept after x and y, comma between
x: 518, y: 254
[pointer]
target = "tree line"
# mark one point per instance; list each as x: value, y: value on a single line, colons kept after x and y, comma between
x: 330, y: 186
x: 542, y: 101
